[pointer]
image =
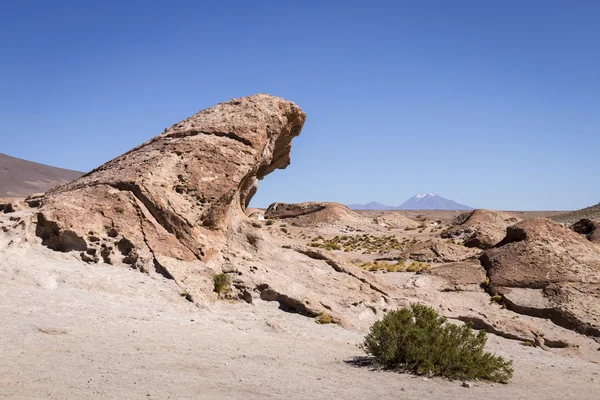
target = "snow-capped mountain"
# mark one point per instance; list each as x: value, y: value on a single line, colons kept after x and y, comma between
x: 426, y: 201
x: 431, y: 201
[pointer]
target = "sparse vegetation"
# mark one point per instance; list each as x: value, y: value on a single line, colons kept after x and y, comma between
x: 497, y: 299
x: 221, y: 283
x: 324, y: 318
x: 418, y: 340
x: 365, y: 243
x: 399, y: 266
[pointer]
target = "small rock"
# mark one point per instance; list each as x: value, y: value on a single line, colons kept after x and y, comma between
x: 467, y: 384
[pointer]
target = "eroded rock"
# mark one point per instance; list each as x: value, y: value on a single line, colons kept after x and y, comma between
x: 311, y: 213
x: 480, y: 228
x: 545, y: 269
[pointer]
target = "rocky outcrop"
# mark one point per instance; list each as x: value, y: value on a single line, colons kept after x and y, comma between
x: 588, y: 228
x: 311, y: 213
x: 544, y: 269
x: 178, y: 196
x: 176, y: 206
x: 480, y: 228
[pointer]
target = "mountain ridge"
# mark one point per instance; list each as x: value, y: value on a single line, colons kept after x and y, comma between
x: 425, y: 201
x: 20, y: 178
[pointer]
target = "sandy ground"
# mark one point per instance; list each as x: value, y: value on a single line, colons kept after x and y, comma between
x: 70, y: 330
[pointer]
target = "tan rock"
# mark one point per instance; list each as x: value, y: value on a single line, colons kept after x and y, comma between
x: 312, y: 213
x: 463, y: 275
x: 560, y: 269
x: 176, y: 206
x: 481, y: 228
x: 438, y: 251
x: 395, y: 220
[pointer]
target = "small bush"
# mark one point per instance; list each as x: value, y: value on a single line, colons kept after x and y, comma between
x: 324, y: 318
x: 417, y: 340
x: 221, y: 283
x: 283, y: 229
x: 269, y: 222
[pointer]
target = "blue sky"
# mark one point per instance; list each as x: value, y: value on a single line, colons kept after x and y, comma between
x: 490, y: 103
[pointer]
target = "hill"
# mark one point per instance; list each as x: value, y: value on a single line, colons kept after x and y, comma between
x: 20, y: 178
x: 592, y: 212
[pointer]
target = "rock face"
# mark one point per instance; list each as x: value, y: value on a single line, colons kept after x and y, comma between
x: 589, y: 228
x: 481, y: 228
x: 175, y: 206
x: 311, y: 213
x: 544, y: 269
x: 437, y: 251
x: 177, y: 196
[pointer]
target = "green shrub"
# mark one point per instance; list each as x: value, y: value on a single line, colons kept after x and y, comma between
x: 221, y: 283
x: 418, y: 340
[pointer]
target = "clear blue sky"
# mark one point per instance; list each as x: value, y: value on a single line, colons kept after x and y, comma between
x: 490, y: 103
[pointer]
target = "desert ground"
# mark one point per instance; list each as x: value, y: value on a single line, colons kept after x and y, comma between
x: 70, y: 330
x: 107, y: 291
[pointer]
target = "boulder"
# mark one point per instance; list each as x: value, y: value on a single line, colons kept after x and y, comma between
x: 544, y: 269
x: 480, y: 228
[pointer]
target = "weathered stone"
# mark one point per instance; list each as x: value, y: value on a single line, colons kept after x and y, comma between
x: 480, y: 228
x: 559, y: 268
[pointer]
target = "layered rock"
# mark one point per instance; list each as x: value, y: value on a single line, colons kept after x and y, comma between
x: 312, y: 213
x: 437, y: 251
x: 481, y: 228
x: 544, y: 269
x: 463, y: 275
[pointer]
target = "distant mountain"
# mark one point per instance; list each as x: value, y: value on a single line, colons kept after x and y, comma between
x: 430, y: 201
x: 371, y: 206
x: 20, y: 178
x: 427, y: 201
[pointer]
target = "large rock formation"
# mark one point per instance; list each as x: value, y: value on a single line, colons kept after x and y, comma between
x: 544, y: 269
x: 175, y: 206
x: 480, y: 228
x: 178, y: 196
